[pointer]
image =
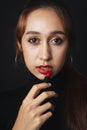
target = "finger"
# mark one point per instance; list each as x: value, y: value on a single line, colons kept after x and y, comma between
x: 44, y: 108
x: 43, y: 96
x: 36, y: 89
x: 46, y: 116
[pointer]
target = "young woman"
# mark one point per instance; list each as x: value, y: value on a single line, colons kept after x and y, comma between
x: 44, y: 39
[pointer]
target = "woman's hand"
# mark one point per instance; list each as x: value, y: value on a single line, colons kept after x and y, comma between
x: 33, y: 112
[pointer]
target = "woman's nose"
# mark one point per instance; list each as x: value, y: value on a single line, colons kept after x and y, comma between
x: 45, y: 52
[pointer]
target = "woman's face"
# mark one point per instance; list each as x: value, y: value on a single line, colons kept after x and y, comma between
x: 44, y: 42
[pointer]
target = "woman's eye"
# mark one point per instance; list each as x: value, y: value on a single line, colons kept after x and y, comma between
x: 33, y: 40
x: 57, y: 41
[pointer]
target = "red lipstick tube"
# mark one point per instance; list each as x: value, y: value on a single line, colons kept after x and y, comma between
x: 47, y: 77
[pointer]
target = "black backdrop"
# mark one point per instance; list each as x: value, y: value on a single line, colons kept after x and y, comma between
x: 10, y: 9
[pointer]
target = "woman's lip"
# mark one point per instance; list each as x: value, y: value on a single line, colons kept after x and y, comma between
x: 44, y: 69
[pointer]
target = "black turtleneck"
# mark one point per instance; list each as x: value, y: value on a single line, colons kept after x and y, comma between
x: 11, y: 100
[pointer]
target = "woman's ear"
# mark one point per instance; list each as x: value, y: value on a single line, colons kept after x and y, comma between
x: 19, y: 54
x: 69, y: 58
x: 19, y: 46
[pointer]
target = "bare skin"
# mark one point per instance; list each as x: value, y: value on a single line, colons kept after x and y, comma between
x: 32, y: 115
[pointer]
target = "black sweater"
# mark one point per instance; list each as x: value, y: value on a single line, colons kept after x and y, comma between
x: 11, y: 100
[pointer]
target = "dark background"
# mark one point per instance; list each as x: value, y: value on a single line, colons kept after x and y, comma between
x: 10, y: 9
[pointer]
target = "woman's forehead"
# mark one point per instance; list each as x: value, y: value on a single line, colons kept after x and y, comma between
x: 41, y: 19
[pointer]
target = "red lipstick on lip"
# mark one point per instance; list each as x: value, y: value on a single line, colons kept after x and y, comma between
x: 46, y: 70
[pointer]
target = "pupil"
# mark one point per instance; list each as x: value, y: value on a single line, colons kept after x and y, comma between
x: 34, y: 39
x: 57, y: 40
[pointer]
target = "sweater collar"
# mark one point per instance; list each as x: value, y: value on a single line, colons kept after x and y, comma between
x: 59, y: 82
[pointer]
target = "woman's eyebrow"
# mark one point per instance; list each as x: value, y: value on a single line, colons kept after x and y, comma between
x: 52, y: 33
x: 57, y: 32
x: 32, y: 32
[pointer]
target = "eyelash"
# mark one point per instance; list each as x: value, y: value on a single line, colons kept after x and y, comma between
x: 55, y: 41
x: 33, y: 40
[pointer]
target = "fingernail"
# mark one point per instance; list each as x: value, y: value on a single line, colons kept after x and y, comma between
x: 49, y: 84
